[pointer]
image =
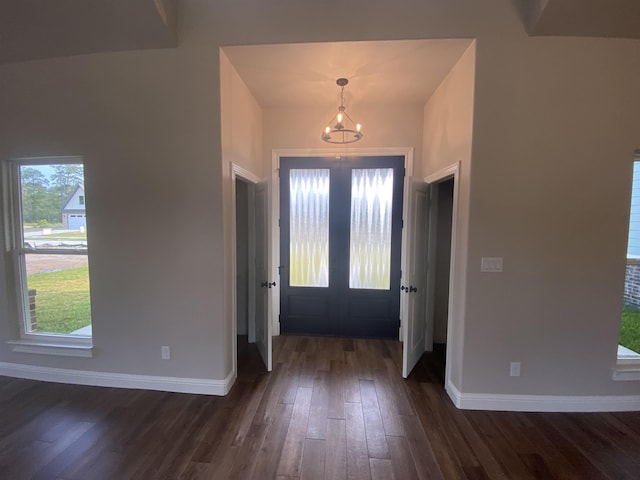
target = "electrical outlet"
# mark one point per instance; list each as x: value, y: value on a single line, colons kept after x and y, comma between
x: 165, y: 352
x: 515, y: 369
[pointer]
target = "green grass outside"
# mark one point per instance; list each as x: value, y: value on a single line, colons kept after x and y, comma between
x: 62, y: 300
x: 630, y: 329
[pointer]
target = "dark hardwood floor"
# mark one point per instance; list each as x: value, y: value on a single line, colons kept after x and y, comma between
x: 332, y: 408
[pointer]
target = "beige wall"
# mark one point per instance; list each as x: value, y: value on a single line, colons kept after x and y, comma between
x: 241, y: 141
x: 448, y: 132
x: 397, y: 126
x: 554, y: 129
x: 143, y: 124
x: 241, y: 121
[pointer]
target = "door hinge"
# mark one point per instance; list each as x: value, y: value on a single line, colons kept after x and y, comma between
x: 402, y: 223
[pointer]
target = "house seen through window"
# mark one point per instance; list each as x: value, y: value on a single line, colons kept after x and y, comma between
x: 50, y: 246
x: 629, y: 347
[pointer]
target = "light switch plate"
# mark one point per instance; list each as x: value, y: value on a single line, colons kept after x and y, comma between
x: 491, y: 264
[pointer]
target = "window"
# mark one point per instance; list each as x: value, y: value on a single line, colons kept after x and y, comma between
x: 629, y: 347
x: 370, y: 239
x: 81, y: 199
x: 309, y: 227
x: 51, y: 267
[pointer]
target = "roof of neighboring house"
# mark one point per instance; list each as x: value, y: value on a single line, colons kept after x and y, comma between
x: 65, y: 206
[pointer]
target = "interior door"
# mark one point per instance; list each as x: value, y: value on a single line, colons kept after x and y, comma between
x: 414, y: 285
x: 265, y: 284
x: 340, y: 234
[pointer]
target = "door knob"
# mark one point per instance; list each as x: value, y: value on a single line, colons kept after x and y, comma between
x: 264, y: 284
x: 272, y: 284
x: 403, y: 288
x: 412, y: 289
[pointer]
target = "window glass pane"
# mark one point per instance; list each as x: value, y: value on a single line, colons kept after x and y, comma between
x: 629, y: 344
x: 58, y: 294
x: 309, y: 228
x: 370, y: 247
x: 53, y: 206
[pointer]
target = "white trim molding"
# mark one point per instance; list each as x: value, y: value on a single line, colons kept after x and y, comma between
x: 203, y: 386
x: 59, y: 349
x: 543, y: 403
x: 444, y: 173
x: 626, y: 372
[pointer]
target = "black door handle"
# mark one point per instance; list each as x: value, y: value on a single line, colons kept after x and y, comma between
x: 403, y: 288
x: 412, y: 289
x: 264, y: 284
x: 272, y: 284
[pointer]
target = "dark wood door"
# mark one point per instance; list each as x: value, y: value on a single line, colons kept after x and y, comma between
x: 340, y: 235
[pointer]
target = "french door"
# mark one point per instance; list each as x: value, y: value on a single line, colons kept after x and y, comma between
x: 340, y: 236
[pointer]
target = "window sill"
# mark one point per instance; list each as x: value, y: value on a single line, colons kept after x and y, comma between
x: 628, y: 365
x: 52, y: 348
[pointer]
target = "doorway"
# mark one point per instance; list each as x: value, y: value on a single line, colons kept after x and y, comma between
x: 440, y: 240
x: 251, y: 330
x: 242, y: 261
x: 246, y: 352
x: 340, y: 237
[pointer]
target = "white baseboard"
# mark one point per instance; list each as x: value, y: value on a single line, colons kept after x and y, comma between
x: 203, y: 386
x: 543, y: 403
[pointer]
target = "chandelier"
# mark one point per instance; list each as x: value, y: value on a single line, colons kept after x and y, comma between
x: 344, y: 129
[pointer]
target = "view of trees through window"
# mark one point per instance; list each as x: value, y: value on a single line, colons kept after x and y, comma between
x: 53, y: 256
x: 45, y: 189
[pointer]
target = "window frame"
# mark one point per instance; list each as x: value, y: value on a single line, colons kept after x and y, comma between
x: 23, y: 340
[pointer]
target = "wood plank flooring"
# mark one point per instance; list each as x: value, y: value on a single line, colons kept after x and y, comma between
x: 331, y: 409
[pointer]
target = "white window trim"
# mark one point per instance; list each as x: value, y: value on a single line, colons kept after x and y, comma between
x: 25, y: 342
x: 627, y: 368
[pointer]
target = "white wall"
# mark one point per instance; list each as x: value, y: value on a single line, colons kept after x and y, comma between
x: 554, y: 129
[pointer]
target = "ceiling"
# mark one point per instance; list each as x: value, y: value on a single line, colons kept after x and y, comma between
x: 304, y: 75
x: 37, y: 29
x: 301, y: 75
x: 582, y: 18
